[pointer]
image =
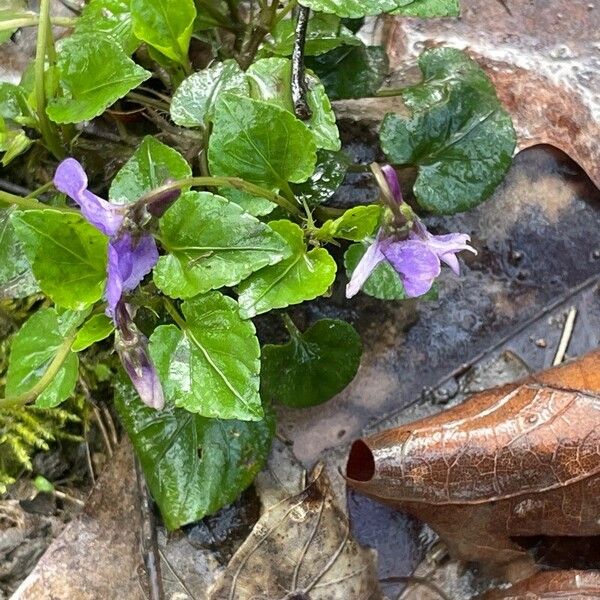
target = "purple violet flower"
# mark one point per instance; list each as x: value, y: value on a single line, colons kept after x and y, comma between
x: 416, y: 258
x: 130, y: 259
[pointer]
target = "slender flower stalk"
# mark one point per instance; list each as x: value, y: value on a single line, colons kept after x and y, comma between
x: 404, y: 242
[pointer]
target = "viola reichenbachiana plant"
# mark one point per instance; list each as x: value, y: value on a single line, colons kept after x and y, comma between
x: 183, y: 155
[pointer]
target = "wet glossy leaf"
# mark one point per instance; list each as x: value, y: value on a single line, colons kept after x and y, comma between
x: 325, y: 32
x: 313, y: 366
x: 302, y: 276
x: 270, y: 80
x: 194, y: 101
x: 282, y: 148
x: 351, y: 71
x: 518, y: 460
x: 355, y: 224
x: 152, y: 164
x: 165, y: 25
x: 95, y: 329
x: 94, y: 73
x: 384, y: 283
x: 66, y: 253
x: 254, y: 205
x: 193, y: 465
x: 212, y: 243
x: 312, y: 533
x: 33, y: 348
x: 459, y: 136
x: 428, y: 8
x: 352, y: 8
x: 327, y: 177
x: 112, y: 18
x: 211, y: 366
x: 16, y: 277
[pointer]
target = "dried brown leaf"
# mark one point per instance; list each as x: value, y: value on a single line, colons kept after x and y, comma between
x: 543, y: 57
x: 519, y: 460
x: 552, y: 585
x: 301, y: 548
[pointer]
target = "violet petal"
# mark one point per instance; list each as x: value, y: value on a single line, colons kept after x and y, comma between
x: 370, y: 259
x: 416, y: 263
x: 70, y: 179
x: 392, y: 180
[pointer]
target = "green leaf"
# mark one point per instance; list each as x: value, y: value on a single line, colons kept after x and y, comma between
x: 211, y: 365
x: 260, y: 142
x: 383, y: 283
x: 429, y: 8
x: 212, y: 243
x: 16, y: 277
x: 97, y: 328
x: 355, y: 224
x: 33, y: 349
x: 112, y: 18
x: 256, y: 206
x: 324, y: 33
x: 66, y: 253
x: 460, y: 137
x: 94, y: 73
x: 193, y: 465
x: 270, y: 80
x: 194, y: 101
x: 13, y: 104
x: 313, y: 366
x: 166, y: 25
x: 13, y: 143
x: 151, y: 165
x: 302, y: 276
x: 351, y: 8
x: 351, y: 71
x: 327, y: 177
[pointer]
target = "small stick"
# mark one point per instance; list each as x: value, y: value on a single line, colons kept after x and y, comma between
x: 415, y: 580
x: 301, y: 107
x: 149, y: 543
x: 565, y: 338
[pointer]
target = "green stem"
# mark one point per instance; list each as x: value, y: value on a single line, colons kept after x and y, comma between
x: 234, y: 182
x: 45, y: 380
x: 30, y: 203
x: 174, y: 314
x: 33, y: 21
x: 44, y: 37
x: 290, y: 326
x: 389, y: 92
x: 39, y: 191
x: 284, y: 11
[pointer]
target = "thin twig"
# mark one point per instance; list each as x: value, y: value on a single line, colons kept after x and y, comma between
x: 111, y: 426
x: 565, y: 338
x: 299, y: 90
x: 173, y: 572
x: 415, y: 580
x: 103, y: 431
x: 149, y: 542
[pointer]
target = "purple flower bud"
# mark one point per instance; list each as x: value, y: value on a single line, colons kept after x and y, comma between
x: 416, y: 258
x: 160, y: 203
x: 132, y: 347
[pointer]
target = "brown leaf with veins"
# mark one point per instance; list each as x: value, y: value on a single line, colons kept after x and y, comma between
x: 543, y: 57
x: 522, y: 459
x: 552, y: 585
x: 301, y: 549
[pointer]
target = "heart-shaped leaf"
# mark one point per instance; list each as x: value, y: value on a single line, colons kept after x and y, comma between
x: 270, y: 80
x: 212, y: 243
x: 313, y: 366
x: 194, y: 101
x: 193, y: 465
x: 302, y: 276
x: 210, y: 364
x: 67, y: 255
x: 95, y: 329
x: 282, y: 147
x: 459, y: 137
x: 33, y: 348
x: 94, y: 73
x: 151, y: 165
x: 165, y: 25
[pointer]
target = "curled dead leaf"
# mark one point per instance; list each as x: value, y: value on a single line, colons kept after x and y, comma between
x: 519, y: 460
x: 301, y: 548
x: 552, y: 585
x: 543, y: 57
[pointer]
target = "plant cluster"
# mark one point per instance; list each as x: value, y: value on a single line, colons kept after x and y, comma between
x: 218, y: 212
